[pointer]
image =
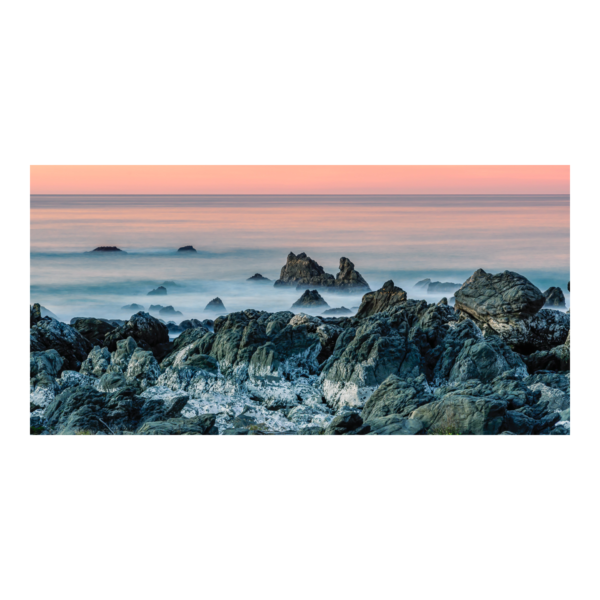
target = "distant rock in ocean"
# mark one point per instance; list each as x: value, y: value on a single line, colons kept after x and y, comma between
x: 554, y: 297
x: 436, y: 287
x: 169, y: 284
x: 134, y: 307
x: 422, y: 285
x: 258, y: 278
x: 169, y: 311
x: 159, y: 291
x: 349, y: 280
x: 187, y: 249
x: 107, y: 249
x: 155, y: 308
x: 310, y: 299
x: 216, y: 305
x: 338, y: 311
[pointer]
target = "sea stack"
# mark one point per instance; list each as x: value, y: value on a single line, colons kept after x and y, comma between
x: 310, y: 299
x: 159, y: 291
x: 216, y: 305
x: 187, y: 249
x: 258, y: 278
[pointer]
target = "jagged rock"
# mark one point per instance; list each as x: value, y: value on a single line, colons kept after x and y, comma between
x: 133, y: 308
x: 107, y: 249
x: 147, y: 332
x: 187, y: 249
x: 302, y: 270
x: 374, y: 302
x: 349, y: 280
x: 310, y: 299
x: 554, y: 297
x: 201, y: 425
x: 143, y: 367
x: 169, y: 311
x: 49, y: 334
x: 338, y: 311
x: 48, y: 361
x: 443, y: 302
x: 35, y: 314
x: 397, y: 396
x: 544, y: 331
x: 161, y: 290
x: 436, y: 287
x: 343, y: 423
x: 258, y: 278
x: 94, y: 330
x: 111, y: 382
x: 216, y: 305
x: 97, y: 362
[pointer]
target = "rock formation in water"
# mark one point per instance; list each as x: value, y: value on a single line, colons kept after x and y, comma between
x: 216, y: 305
x: 169, y: 311
x: 258, y: 278
x: 107, y: 249
x: 422, y: 285
x: 310, y: 299
x: 338, y: 311
x: 159, y: 291
x: 436, y: 287
x: 349, y: 280
x: 187, y: 249
x: 301, y: 270
x: 374, y: 302
x: 133, y: 307
x: 554, y: 297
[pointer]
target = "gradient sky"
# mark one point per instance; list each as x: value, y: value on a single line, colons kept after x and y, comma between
x: 190, y: 179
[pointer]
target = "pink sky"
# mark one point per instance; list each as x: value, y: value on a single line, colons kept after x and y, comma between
x: 190, y: 179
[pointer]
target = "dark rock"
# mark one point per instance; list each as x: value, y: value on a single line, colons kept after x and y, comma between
x: 202, y: 425
x: 338, y: 311
x: 258, y: 278
x: 554, y: 297
x: 374, y: 302
x: 94, y: 330
x: 107, y: 249
x: 133, y: 307
x: 310, y: 299
x: 395, y: 425
x: 159, y: 291
x: 97, y: 362
x: 436, y: 287
x: 216, y: 305
x: 186, y: 249
x: 304, y: 271
x: 48, y: 361
x: 190, y: 324
x: 311, y: 431
x: 349, y: 280
x: 35, y: 314
x: 49, y: 334
x: 443, y: 302
x: 147, y: 332
x: 169, y: 311
x: 343, y: 423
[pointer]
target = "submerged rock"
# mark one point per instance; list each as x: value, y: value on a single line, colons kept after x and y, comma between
x: 310, y: 299
x: 338, y: 311
x: 187, y: 249
x: 215, y: 305
x: 159, y: 291
x: 554, y: 297
x: 258, y: 278
x: 107, y: 249
x: 374, y: 302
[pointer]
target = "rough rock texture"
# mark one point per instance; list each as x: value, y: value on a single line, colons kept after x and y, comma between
x: 546, y: 330
x: 258, y: 278
x: 397, y: 396
x: 349, y: 280
x: 147, y: 332
x: 49, y: 334
x: 301, y: 270
x: 97, y: 362
x: 344, y: 423
x: 216, y: 305
x: 554, y: 297
x: 310, y: 299
x: 202, y: 425
x: 395, y: 425
x: 49, y: 362
x: 374, y: 302
x: 186, y: 249
x: 161, y: 290
x: 93, y: 330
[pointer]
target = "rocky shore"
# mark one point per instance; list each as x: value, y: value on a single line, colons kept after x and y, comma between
x: 497, y: 362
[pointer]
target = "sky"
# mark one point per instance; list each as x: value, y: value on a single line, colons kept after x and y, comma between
x: 194, y: 179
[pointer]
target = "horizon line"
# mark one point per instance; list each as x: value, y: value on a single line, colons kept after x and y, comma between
x: 327, y: 195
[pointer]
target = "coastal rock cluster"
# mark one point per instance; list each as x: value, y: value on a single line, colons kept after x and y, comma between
x: 496, y: 363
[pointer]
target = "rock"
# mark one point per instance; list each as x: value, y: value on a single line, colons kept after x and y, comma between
x: 107, y: 249
x: 437, y: 287
x: 201, y: 425
x: 462, y: 415
x: 556, y: 359
x: 155, y: 308
x: 169, y: 311
x: 216, y: 305
x: 554, y: 297
x: 187, y: 249
x: 395, y: 425
x: 544, y: 331
x: 311, y: 431
x: 143, y: 368
x: 147, y: 332
x: 500, y: 301
x: 97, y: 362
x: 343, y: 423
x: 397, y: 396
x: 49, y: 362
x: 94, y: 330
x: 49, y: 334
x: 348, y: 280
x: 443, y: 302
x: 159, y: 291
x: 422, y: 285
x: 35, y: 314
x: 111, y: 382
x: 190, y: 324
x: 302, y: 270
x: 374, y: 302
x: 310, y: 299
x: 258, y: 278
x: 133, y: 308
x: 338, y: 311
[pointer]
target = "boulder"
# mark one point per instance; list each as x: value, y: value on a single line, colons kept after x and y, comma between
x: 49, y: 362
x: 159, y: 291
x: 374, y: 302
x: 190, y: 324
x: 258, y: 278
x: 554, y: 297
x: 143, y: 368
x: 216, y: 305
x: 147, y: 332
x: 94, y: 330
x: 348, y: 280
x: 303, y: 271
x: 187, y: 249
x: 97, y: 362
x: 310, y: 299
x: 344, y: 423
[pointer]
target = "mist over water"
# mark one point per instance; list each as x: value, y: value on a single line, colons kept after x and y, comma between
x: 404, y: 238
